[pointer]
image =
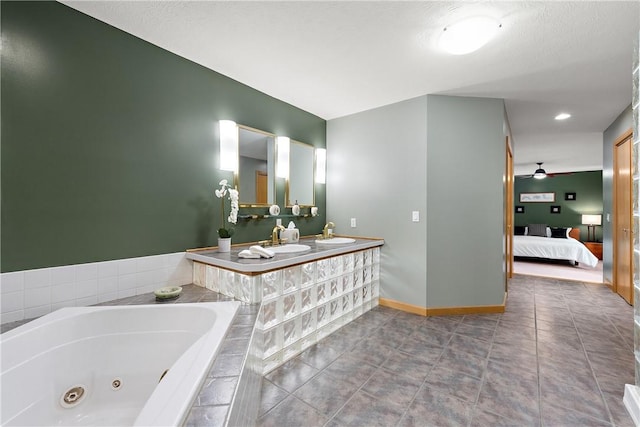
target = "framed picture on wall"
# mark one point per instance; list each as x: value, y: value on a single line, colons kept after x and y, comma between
x: 555, y: 209
x: 537, y: 197
x: 570, y: 196
x: 519, y: 209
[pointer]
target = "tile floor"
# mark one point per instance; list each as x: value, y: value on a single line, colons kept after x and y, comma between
x: 559, y: 356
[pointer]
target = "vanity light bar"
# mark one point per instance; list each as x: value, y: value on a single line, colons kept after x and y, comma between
x: 321, y: 166
x: 282, y: 150
x: 228, y: 145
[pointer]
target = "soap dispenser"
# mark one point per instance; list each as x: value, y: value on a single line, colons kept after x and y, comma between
x: 295, y: 209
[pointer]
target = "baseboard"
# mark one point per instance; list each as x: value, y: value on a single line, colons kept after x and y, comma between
x: 476, y: 309
x: 457, y: 311
x: 409, y: 308
x: 444, y: 311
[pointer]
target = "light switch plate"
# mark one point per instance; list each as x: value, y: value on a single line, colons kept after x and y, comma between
x: 415, y: 216
x: 353, y: 223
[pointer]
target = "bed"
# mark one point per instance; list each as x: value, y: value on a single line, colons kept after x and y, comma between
x: 557, y: 248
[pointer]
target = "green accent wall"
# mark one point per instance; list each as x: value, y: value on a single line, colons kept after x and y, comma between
x: 588, y: 189
x: 110, y: 144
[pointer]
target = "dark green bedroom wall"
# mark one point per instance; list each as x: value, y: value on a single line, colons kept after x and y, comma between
x: 588, y: 189
x: 109, y: 143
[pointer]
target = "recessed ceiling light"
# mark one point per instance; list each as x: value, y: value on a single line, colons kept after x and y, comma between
x: 468, y: 35
x: 563, y: 116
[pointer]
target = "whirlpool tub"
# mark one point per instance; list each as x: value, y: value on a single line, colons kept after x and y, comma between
x: 121, y: 365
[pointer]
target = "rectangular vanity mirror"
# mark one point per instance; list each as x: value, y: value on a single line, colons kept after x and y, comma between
x: 300, y: 187
x: 256, y: 175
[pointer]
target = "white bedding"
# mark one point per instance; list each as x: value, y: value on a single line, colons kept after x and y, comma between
x: 552, y: 248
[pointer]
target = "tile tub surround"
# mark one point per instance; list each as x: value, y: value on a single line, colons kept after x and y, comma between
x: 34, y: 293
x: 559, y: 355
x: 230, y: 392
x: 305, y: 299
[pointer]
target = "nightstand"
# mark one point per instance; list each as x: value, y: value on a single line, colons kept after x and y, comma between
x: 595, y: 248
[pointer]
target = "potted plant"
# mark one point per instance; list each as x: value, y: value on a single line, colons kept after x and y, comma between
x: 224, y: 233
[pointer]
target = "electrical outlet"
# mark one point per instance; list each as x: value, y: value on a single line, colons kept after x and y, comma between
x: 353, y: 223
x: 415, y: 216
x: 278, y: 221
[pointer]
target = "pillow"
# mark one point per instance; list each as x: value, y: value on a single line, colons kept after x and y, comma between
x: 548, y: 231
x: 538, y: 230
x: 559, y: 232
x: 568, y: 231
x: 519, y: 230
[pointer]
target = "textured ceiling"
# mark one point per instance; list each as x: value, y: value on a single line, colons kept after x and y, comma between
x: 338, y: 58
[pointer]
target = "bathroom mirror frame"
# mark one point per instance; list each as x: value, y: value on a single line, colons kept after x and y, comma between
x: 306, y: 173
x: 270, y: 157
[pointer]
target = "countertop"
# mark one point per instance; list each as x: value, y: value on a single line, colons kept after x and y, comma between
x: 231, y: 261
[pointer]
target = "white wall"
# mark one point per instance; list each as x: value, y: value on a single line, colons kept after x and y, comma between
x: 376, y: 173
x: 443, y: 157
x: 465, y: 199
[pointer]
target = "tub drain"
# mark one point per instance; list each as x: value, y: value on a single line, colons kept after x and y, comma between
x: 73, y: 396
x: 116, y: 383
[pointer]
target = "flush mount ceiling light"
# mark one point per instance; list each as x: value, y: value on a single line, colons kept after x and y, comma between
x: 468, y: 35
x: 563, y: 116
x: 539, y: 173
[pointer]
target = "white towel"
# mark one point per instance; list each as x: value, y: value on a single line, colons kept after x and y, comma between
x: 248, y: 254
x: 263, y: 252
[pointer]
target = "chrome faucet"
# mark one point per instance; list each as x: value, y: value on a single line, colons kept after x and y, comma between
x: 275, y: 235
x: 327, y: 231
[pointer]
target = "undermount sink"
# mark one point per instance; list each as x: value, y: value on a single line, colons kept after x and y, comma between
x: 335, y: 241
x: 289, y: 248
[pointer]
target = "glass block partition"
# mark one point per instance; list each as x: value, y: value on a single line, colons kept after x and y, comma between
x: 632, y: 393
x: 304, y: 303
x: 636, y: 197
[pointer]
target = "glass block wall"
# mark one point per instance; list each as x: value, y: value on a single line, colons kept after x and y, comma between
x: 243, y: 287
x: 301, y: 304
x: 305, y: 303
x: 636, y: 197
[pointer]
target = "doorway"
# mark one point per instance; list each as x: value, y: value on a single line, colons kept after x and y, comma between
x: 622, y: 217
x: 508, y: 235
x: 262, y: 181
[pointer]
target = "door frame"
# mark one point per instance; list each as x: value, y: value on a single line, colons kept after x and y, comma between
x: 628, y: 134
x: 260, y: 173
x: 509, y: 215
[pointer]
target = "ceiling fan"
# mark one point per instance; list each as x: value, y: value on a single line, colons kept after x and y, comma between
x: 540, y: 173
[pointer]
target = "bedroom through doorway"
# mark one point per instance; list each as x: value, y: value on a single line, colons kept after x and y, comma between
x: 549, y: 224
